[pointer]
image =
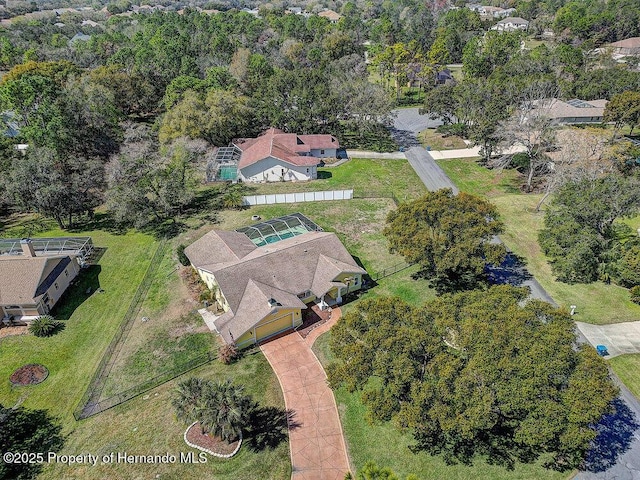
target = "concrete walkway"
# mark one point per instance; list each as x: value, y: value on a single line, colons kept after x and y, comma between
x: 619, y: 338
x: 316, y: 443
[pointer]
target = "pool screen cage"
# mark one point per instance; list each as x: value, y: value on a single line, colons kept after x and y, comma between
x: 276, y: 229
x: 224, y: 166
x: 80, y: 247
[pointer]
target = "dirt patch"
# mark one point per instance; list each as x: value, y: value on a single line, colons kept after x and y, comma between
x: 11, y: 331
x: 212, y: 443
x: 30, y: 374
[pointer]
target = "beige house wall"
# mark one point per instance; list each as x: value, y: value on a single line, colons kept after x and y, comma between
x: 278, y: 321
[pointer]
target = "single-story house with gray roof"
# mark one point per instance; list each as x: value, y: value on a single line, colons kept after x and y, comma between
x: 262, y: 290
x: 31, y: 285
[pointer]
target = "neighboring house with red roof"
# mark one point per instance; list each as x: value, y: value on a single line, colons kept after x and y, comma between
x: 263, y: 289
x: 31, y: 285
x: 277, y: 156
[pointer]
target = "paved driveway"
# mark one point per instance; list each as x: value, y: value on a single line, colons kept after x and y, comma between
x: 316, y: 442
x: 619, y: 338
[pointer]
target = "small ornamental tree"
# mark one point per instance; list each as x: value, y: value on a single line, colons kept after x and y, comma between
x: 45, y: 326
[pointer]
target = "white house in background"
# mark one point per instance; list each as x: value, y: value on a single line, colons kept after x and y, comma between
x: 31, y: 285
x: 276, y: 156
x: 511, y: 24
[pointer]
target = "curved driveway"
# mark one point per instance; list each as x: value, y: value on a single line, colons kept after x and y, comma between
x: 616, y: 453
x: 316, y: 443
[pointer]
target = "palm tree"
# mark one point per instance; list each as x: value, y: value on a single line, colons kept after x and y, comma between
x: 221, y: 407
x: 188, y: 399
x: 224, y: 410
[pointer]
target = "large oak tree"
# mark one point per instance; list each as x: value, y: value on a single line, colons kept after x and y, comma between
x: 479, y: 373
x: 450, y: 236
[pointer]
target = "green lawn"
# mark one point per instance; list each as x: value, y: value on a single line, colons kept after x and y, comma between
x: 626, y: 367
x: 147, y: 425
x: 437, y: 141
x: 173, y: 334
x: 473, y: 178
x: 597, y: 303
x: 73, y: 354
x: 366, y: 442
x: 367, y: 177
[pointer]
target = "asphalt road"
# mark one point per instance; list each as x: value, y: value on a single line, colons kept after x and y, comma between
x: 615, y: 454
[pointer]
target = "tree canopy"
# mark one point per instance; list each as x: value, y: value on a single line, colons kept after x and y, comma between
x: 478, y: 373
x: 580, y: 225
x: 449, y: 236
x: 28, y: 431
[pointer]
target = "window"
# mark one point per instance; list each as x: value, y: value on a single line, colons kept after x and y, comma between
x: 307, y: 170
x: 321, y: 152
x: 56, y: 285
x: 45, y: 298
x: 66, y: 273
x: 282, y: 172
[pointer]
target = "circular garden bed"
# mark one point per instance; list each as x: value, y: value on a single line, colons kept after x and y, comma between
x: 207, y: 443
x: 30, y: 374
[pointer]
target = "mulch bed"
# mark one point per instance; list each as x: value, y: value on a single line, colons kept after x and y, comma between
x: 31, y: 374
x: 215, y: 444
x: 13, y: 330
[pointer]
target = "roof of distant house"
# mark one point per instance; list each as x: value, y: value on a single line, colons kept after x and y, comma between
x: 250, y: 277
x: 23, y: 280
x: 288, y: 147
x: 331, y: 15
x: 514, y: 21
x: 633, y: 42
x: 574, y: 108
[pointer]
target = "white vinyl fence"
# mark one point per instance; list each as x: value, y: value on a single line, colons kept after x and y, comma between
x: 298, y: 197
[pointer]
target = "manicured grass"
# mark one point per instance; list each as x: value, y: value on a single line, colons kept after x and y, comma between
x: 597, y: 302
x: 437, y: 141
x: 358, y: 223
x: 626, y: 367
x: 367, y: 177
x: 73, y: 354
x: 470, y: 177
x: 389, y: 447
x: 147, y: 425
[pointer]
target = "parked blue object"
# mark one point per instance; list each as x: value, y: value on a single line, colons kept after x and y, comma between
x: 602, y: 350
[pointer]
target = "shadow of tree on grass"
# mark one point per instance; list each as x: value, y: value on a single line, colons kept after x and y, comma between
x: 268, y: 427
x: 614, y: 437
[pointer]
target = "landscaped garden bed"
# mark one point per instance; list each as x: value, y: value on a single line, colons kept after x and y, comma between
x: 30, y: 374
x: 209, y: 443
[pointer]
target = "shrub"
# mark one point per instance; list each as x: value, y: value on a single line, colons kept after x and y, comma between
x: 635, y: 294
x: 182, y: 258
x: 228, y: 353
x: 45, y: 326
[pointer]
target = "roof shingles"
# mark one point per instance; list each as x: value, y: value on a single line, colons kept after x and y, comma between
x: 282, y: 271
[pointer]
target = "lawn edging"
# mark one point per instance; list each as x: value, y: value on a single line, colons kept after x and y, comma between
x: 210, y: 452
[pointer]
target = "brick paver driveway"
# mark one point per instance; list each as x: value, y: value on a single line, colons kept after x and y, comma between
x: 315, y: 435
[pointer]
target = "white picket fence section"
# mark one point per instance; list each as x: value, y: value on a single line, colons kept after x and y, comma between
x: 297, y: 197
